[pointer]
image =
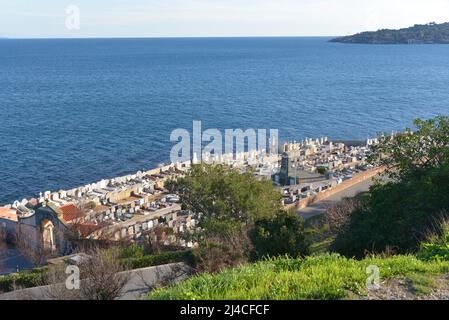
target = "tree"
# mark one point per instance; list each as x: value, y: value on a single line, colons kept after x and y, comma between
x: 222, y: 193
x: 279, y: 235
x: 228, y: 203
x: 412, y: 154
x: 398, y: 213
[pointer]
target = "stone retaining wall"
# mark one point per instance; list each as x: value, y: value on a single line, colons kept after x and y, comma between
x: 360, y: 177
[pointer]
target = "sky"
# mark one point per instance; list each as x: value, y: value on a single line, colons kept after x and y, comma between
x: 208, y: 18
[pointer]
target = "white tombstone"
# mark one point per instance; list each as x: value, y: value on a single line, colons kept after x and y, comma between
x: 195, y: 158
x: 62, y: 194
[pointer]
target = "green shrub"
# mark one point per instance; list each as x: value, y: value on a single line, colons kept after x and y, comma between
x: 159, y: 259
x: 321, y: 170
x: 25, y: 279
x: 132, y: 251
x: 396, y: 215
x: 431, y: 251
x: 279, y: 236
x: 436, y: 248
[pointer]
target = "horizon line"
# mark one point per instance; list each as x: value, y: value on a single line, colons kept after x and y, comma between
x: 161, y: 37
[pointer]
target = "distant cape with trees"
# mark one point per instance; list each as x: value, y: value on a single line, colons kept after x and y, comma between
x: 431, y: 33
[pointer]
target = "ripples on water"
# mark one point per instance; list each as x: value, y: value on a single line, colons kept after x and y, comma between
x: 76, y: 111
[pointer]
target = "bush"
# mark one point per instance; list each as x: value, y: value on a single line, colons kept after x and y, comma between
x: 396, y: 215
x: 436, y: 248
x: 432, y: 251
x: 321, y: 170
x: 222, y: 244
x: 25, y: 279
x: 279, y: 236
x: 131, y: 251
x: 338, y: 215
x: 159, y: 259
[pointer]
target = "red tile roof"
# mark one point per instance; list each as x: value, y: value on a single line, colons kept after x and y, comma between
x: 7, y: 213
x: 70, y: 212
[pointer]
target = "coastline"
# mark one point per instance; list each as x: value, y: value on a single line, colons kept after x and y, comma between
x: 165, y: 166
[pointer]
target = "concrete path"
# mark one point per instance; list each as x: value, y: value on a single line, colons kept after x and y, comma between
x: 320, y: 207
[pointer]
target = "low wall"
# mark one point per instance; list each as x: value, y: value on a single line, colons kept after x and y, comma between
x: 360, y: 177
x: 139, y: 282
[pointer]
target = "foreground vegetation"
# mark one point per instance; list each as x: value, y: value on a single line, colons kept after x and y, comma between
x: 328, y: 276
x: 125, y: 258
x: 400, y: 227
x: 398, y: 216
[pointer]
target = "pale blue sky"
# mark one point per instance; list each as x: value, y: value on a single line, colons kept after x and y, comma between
x: 168, y: 18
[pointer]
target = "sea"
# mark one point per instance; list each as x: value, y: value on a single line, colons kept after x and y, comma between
x: 75, y: 111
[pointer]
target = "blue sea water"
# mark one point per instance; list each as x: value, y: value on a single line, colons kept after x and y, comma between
x: 76, y: 111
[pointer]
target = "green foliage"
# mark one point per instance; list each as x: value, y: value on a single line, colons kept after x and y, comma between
x: 428, y: 33
x: 219, y: 228
x: 437, y: 245
x: 25, y: 279
x: 411, y: 155
x: 319, y: 277
x: 321, y: 170
x: 158, y: 259
x: 130, y: 251
x: 229, y: 203
x: 280, y: 235
x: 432, y: 251
x: 397, y: 215
x: 222, y: 193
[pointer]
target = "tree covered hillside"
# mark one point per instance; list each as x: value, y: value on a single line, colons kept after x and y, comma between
x: 418, y: 34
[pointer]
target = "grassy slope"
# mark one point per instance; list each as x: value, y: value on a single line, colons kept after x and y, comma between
x: 320, y: 277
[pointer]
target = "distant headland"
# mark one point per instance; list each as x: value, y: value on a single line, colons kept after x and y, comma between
x: 430, y: 33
